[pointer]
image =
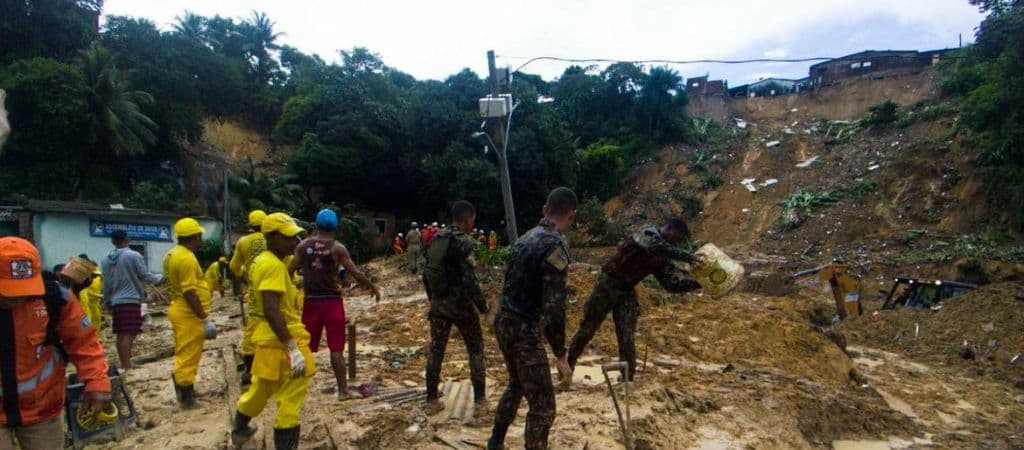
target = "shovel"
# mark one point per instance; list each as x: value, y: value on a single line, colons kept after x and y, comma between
x: 623, y: 368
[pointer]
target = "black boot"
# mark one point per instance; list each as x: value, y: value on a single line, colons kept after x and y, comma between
x: 246, y: 377
x: 187, y: 399
x: 286, y: 438
x: 242, y: 431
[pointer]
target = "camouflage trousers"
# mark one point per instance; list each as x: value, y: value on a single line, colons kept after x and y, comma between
x: 415, y: 255
x: 529, y: 375
x: 469, y: 327
x: 621, y: 301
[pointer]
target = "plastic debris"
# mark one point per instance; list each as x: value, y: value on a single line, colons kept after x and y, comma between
x: 988, y: 327
x: 807, y: 162
x: 749, y: 184
x: 773, y: 144
x: 770, y: 182
x: 746, y: 210
x: 794, y: 110
x: 740, y: 123
x: 787, y: 130
x: 874, y: 167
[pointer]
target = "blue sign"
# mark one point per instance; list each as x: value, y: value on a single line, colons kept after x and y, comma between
x: 139, y: 231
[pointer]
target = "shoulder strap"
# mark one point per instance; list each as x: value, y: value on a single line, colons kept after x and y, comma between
x: 55, y: 299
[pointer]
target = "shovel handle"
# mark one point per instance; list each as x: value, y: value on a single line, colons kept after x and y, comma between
x: 621, y: 366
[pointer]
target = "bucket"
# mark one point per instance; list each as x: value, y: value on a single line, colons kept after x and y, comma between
x: 78, y: 269
x: 717, y: 273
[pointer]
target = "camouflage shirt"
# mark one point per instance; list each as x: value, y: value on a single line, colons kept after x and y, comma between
x: 535, y: 282
x: 647, y: 253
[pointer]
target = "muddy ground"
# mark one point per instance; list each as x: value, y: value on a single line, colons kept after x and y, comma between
x: 743, y: 371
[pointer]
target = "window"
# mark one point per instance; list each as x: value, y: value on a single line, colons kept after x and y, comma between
x: 866, y: 64
x: 381, y: 225
x: 855, y: 65
x: 695, y: 85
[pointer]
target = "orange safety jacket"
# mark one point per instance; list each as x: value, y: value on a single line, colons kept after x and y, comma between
x: 32, y: 371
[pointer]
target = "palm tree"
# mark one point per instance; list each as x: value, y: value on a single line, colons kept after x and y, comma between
x: 260, y: 40
x: 252, y: 190
x: 117, y: 124
x: 656, y: 96
x: 191, y: 26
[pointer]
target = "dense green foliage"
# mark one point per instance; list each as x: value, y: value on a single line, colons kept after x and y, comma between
x: 987, y: 82
x: 107, y: 114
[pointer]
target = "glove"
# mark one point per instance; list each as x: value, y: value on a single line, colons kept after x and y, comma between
x: 210, y: 329
x: 296, y: 360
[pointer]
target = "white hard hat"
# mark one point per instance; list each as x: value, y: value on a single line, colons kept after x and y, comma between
x: 434, y: 224
x: 400, y: 235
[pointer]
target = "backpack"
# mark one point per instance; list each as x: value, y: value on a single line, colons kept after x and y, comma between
x: 55, y: 298
x: 440, y: 273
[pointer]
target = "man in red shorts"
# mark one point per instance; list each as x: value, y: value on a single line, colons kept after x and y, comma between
x: 319, y: 257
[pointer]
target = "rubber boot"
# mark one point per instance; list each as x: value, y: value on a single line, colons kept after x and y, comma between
x: 242, y: 431
x: 286, y: 438
x: 246, y: 377
x: 188, y: 397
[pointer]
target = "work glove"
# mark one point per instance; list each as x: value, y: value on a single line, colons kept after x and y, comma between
x: 210, y: 329
x: 296, y: 360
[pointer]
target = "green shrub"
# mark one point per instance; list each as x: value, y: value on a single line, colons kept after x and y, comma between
x: 805, y: 201
x: 882, y: 114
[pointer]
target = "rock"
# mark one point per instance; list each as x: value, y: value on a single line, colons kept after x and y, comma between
x: 410, y: 383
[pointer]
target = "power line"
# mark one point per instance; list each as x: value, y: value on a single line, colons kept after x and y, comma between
x: 530, y: 60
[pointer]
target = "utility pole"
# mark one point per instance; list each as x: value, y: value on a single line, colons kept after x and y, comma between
x: 499, y: 143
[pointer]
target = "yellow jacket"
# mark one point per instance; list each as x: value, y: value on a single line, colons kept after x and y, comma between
x: 246, y: 249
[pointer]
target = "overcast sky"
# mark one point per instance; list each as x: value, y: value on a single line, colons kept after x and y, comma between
x: 433, y: 39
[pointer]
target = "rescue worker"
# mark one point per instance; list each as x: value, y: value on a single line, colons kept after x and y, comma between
x: 414, y: 247
x: 38, y: 321
x: 92, y: 297
x: 428, y: 236
x: 455, y: 299
x: 125, y: 275
x: 532, y: 305
x: 397, y: 244
x: 246, y: 249
x: 283, y: 363
x: 318, y: 257
x: 77, y: 276
x: 492, y: 241
x: 189, y: 309
x: 216, y: 275
x: 651, y: 251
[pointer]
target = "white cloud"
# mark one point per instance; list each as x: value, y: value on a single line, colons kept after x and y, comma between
x: 435, y: 39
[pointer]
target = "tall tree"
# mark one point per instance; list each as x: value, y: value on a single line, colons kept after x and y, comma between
x: 260, y: 40
x: 116, y: 123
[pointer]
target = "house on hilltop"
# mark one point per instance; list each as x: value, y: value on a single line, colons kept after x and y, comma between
x: 874, y: 63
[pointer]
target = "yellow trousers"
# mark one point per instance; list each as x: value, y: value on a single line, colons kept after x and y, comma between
x: 270, y: 379
x: 189, y: 338
x: 93, y: 310
x: 248, y: 348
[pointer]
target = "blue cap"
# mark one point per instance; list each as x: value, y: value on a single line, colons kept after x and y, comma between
x: 326, y: 219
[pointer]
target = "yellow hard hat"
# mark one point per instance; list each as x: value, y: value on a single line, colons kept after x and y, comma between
x: 188, y: 227
x: 256, y: 217
x: 281, y: 223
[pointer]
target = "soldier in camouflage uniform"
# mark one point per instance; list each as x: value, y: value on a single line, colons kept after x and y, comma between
x: 532, y: 304
x: 455, y: 299
x: 651, y: 251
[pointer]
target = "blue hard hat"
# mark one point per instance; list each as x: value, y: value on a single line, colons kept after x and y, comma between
x: 326, y: 219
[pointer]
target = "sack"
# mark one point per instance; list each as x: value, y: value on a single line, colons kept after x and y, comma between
x: 716, y: 272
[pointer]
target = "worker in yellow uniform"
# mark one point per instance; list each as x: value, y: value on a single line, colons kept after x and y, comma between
x: 216, y: 275
x: 189, y: 309
x: 91, y: 299
x: 283, y: 364
x: 246, y: 249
